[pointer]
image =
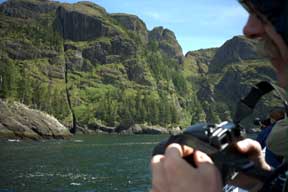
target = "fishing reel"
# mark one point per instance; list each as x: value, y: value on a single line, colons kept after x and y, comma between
x: 217, y: 140
x: 205, y: 137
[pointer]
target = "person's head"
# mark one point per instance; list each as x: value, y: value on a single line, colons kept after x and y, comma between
x: 268, y: 22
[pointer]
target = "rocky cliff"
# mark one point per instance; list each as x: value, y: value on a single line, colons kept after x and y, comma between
x: 113, y: 71
x: 227, y: 75
x: 84, y: 21
x: 109, y: 67
x: 233, y: 51
x: 167, y: 42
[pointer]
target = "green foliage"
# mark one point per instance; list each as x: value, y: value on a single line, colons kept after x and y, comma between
x: 25, y: 86
x: 180, y: 83
x: 39, y: 32
x: 141, y: 89
x: 9, y: 77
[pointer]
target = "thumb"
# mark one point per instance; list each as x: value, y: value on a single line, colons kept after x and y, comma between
x: 207, y: 169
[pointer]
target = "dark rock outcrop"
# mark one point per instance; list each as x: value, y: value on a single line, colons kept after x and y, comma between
x: 108, y: 52
x: 18, y: 121
x: 75, y: 25
x: 23, y: 50
x: 233, y: 51
x: 123, y: 47
x: 97, y: 53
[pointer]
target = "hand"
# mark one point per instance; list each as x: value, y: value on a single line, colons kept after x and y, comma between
x: 171, y: 173
x: 253, y: 150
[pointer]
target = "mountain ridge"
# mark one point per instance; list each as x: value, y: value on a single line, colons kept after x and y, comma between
x: 116, y: 72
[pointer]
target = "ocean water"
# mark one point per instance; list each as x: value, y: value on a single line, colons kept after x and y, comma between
x: 87, y: 163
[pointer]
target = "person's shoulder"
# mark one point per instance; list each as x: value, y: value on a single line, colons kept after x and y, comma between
x: 277, y: 140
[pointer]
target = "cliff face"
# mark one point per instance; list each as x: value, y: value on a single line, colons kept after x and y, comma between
x: 75, y: 24
x: 227, y: 75
x: 199, y: 60
x: 168, y: 43
x: 27, y: 9
x: 110, y: 68
x: 134, y: 24
x: 233, y: 51
x: 114, y: 71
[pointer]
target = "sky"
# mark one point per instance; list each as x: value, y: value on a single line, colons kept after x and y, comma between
x: 197, y: 24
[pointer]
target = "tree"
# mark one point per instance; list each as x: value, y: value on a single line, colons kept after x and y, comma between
x: 24, y: 88
x: 141, y: 111
x: 9, y: 75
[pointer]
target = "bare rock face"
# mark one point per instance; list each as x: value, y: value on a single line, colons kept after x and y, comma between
x: 18, y: 121
x: 78, y: 27
x: 97, y: 53
x: 76, y: 24
x: 233, y: 51
x: 109, y: 52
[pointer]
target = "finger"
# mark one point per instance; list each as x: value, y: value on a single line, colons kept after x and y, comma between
x: 157, y: 166
x: 205, y: 167
x: 174, y: 151
x: 174, y: 158
x: 249, y: 146
x: 201, y: 158
x: 178, y: 151
x: 158, y: 174
x: 174, y: 162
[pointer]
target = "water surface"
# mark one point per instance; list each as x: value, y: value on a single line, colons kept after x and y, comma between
x: 88, y: 163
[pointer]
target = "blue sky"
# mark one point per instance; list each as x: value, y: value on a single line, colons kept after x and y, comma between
x: 196, y: 23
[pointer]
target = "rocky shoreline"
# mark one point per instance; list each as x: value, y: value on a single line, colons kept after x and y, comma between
x: 17, y: 121
x: 133, y: 129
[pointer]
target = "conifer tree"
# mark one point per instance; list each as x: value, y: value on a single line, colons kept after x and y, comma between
x: 9, y: 75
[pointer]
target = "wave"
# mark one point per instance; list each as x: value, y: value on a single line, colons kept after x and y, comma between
x: 75, y: 184
x: 125, y: 144
x: 71, y: 176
